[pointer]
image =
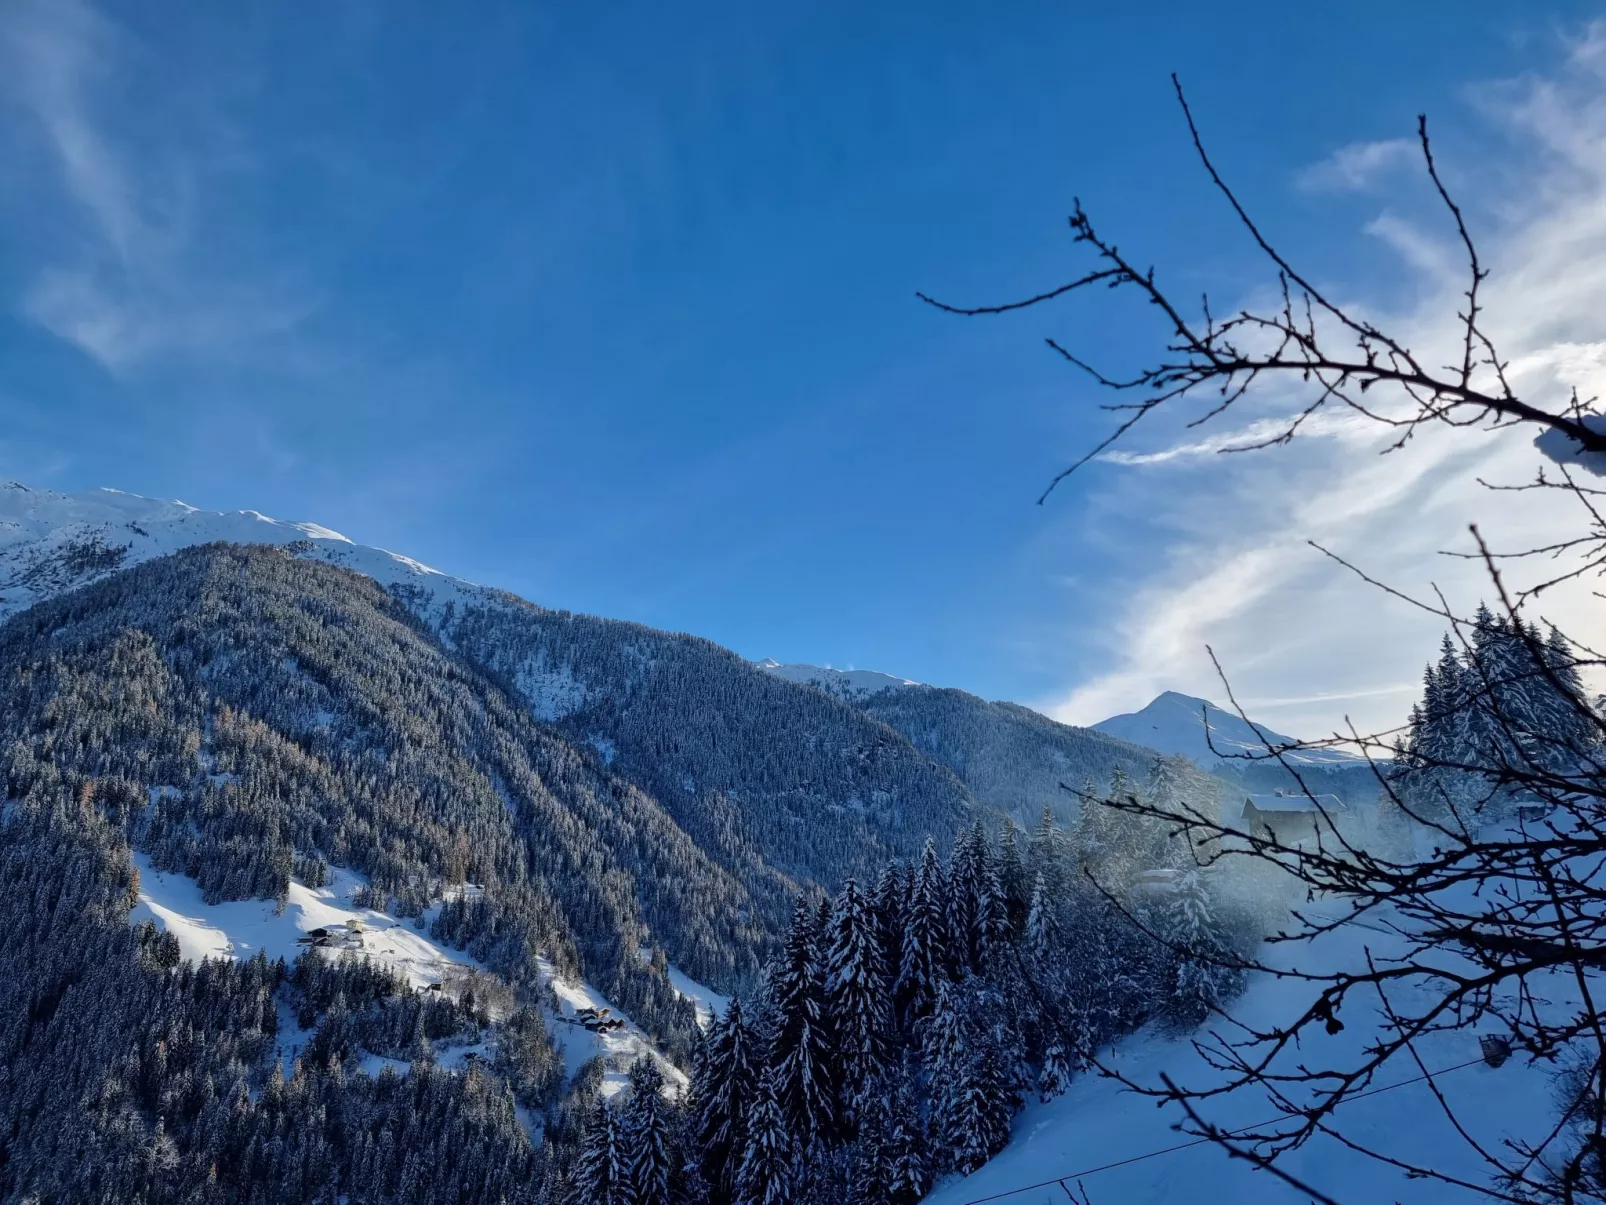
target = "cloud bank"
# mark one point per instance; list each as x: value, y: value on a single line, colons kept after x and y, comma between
x: 1306, y: 645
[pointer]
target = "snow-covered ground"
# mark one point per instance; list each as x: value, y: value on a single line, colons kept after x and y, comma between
x: 706, y: 1000
x: 618, y: 1048
x: 844, y: 683
x: 240, y: 928
x: 1097, y: 1123
x: 51, y: 542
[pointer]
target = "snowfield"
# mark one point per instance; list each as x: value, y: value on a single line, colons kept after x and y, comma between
x: 707, y: 1001
x: 240, y: 928
x: 1089, y: 1133
x: 51, y: 543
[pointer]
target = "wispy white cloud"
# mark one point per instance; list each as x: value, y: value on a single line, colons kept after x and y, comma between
x: 136, y: 281
x: 1358, y: 166
x: 1305, y: 641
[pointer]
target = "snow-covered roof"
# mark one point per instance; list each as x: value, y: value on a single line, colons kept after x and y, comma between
x: 1280, y: 801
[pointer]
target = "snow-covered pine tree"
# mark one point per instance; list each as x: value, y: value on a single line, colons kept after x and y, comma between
x: 1048, y: 853
x: 1095, y: 840
x: 908, y: 1174
x: 800, y: 1052
x: 1042, y: 921
x: 857, y: 998
x: 766, y: 1176
x: 964, y: 894
x: 971, y: 1098
x: 924, y: 955
x: 888, y: 902
x: 869, y: 1174
x: 598, y: 1177
x: 1054, y: 1076
x: 1202, y: 982
x: 992, y: 928
x: 1428, y: 778
x: 1012, y: 877
x: 723, y: 1092
x: 941, y: 1053
x: 644, y: 1141
x: 1563, y: 714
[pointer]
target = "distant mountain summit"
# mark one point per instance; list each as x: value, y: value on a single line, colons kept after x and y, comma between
x: 1200, y: 730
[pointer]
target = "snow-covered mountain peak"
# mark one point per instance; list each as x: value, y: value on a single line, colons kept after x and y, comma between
x: 844, y: 683
x: 1176, y: 723
x: 52, y: 542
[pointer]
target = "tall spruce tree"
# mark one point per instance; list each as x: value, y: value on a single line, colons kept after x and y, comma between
x: 965, y: 872
x: 723, y: 1092
x: 768, y: 1170
x: 924, y: 957
x: 800, y: 1051
x: 1012, y: 877
x: 599, y: 1175
x: 857, y: 998
x: 646, y: 1156
x: 888, y: 903
x: 1203, y: 978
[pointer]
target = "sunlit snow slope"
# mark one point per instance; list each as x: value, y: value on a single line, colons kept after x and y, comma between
x: 51, y: 543
x: 1114, y: 1142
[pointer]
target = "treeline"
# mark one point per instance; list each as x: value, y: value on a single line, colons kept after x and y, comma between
x: 901, y: 1026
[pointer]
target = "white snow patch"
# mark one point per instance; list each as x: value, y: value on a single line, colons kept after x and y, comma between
x: 240, y: 928
x: 1564, y: 449
x: 708, y: 1003
x: 618, y: 1048
x: 375, y: 1065
x: 550, y: 693
x: 844, y: 683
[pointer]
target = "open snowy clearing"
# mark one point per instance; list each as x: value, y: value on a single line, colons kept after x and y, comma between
x: 706, y: 1000
x: 240, y: 928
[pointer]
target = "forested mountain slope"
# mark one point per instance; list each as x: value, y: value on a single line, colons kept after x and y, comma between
x: 1010, y: 756
x: 771, y: 780
x: 236, y: 709
x: 768, y: 776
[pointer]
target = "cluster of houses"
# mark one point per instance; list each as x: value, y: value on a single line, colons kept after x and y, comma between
x: 597, y: 1020
x: 340, y: 937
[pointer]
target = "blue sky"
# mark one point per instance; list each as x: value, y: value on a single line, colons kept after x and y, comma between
x: 613, y: 305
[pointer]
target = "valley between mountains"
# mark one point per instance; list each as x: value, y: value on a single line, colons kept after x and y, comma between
x: 370, y: 883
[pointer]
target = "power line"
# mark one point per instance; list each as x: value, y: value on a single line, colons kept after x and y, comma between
x: 1182, y: 1146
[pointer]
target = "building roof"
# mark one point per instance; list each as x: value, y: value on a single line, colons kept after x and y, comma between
x: 1282, y: 801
